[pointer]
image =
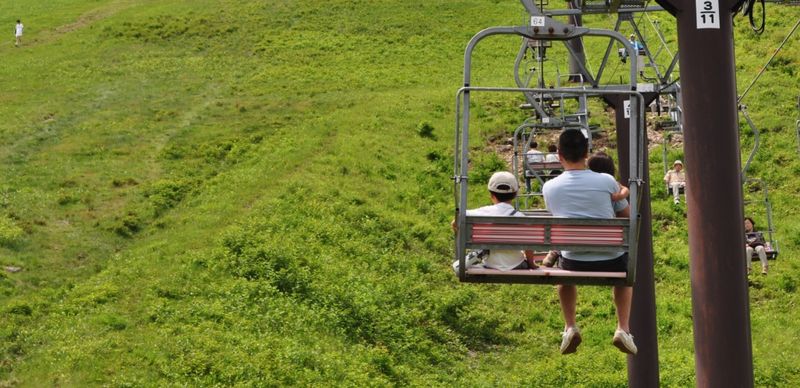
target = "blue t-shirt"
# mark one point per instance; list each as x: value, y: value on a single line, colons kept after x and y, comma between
x: 583, y: 194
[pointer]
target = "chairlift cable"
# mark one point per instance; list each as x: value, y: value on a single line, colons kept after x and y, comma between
x: 770, y: 60
x: 642, y: 15
x: 614, y: 72
x: 663, y: 42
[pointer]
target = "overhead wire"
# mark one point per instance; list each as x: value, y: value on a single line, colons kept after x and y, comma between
x: 769, y: 61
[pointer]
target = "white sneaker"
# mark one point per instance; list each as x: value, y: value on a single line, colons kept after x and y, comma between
x: 624, y: 342
x: 570, y: 339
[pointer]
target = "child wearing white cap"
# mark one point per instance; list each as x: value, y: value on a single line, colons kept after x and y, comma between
x: 503, y: 188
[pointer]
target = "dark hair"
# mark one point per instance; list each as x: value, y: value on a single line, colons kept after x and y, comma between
x: 552, y: 148
x: 573, y: 145
x: 504, y: 197
x: 751, y: 221
x: 534, y: 144
x: 601, y: 162
x: 18, y: 21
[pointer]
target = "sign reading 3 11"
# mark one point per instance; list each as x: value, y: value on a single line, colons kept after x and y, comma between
x: 707, y: 13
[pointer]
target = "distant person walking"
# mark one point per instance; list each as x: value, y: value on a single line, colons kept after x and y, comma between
x: 18, y: 33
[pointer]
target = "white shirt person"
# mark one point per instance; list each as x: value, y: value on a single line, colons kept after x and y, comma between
x: 18, y: 33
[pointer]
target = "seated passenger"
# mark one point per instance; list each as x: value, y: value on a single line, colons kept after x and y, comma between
x: 640, y: 53
x: 676, y: 180
x: 503, y: 188
x: 534, y: 155
x: 599, y: 162
x: 552, y: 155
x: 575, y: 193
x: 638, y: 46
x: 754, y: 241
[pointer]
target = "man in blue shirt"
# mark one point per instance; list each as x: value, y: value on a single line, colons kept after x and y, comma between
x: 580, y: 192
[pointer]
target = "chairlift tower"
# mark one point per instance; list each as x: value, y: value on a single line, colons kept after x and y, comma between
x: 720, y: 303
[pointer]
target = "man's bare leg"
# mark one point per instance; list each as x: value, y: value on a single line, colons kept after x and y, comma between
x: 622, y: 301
x: 568, y: 295
x: 571, y: 337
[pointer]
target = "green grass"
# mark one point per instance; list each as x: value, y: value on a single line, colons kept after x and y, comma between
x: 257, y: 193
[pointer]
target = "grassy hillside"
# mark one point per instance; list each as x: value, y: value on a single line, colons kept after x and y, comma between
x: 220, y: 192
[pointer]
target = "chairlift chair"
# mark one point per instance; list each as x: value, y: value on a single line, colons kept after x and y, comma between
x: 538, y: 231
x: 532, y: 170
x: 797, y: 125
x: 771, y: 243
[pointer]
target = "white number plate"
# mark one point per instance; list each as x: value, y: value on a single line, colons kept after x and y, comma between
x: 707, y: 14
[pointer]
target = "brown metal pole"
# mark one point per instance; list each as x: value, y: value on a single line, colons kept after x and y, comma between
x: 720, y: 304
x: 643, y: 367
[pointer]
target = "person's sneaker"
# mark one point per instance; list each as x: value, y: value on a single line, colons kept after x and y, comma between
x: 570, y: 339
x: 763, y: 270
x: 624, y: 342
x: 677, y: 202
x: 550, y: 259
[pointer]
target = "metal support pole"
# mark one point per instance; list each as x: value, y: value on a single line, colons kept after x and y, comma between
x: 642, y: 368
x: 720, y: 303
x: 577, y: 61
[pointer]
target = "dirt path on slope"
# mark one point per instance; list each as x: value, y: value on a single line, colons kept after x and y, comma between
x: 84, y: 20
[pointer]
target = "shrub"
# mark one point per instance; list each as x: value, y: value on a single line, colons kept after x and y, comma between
x: 247, y: 256
x: 166, y: 194
x: 787, y: 283
x: 484, y: 166
x: 425, y: 130
x: 129, y: 225
x: 10, y: 233
x: 20, y: 308
x: 65, y: 197
x: 114, y: 322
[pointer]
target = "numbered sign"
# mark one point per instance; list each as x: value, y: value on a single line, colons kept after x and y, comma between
x: 626, y: 105
x: 537, y: 21
x: 707, y: 14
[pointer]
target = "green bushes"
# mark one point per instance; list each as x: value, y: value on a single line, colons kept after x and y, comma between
x: 166, y: 194
x: 484, y: 165
x: 282, y: 265
x: 10, y: 233
x: 425, y: 130
x: 128, y: 225
x: 170, y: 28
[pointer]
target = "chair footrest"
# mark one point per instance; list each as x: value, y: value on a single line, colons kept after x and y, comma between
x: 544, y: 272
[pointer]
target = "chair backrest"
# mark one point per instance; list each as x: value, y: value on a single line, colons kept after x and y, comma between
x: 545, y: 233
x: 548, y: 233
x: 539, y: 166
